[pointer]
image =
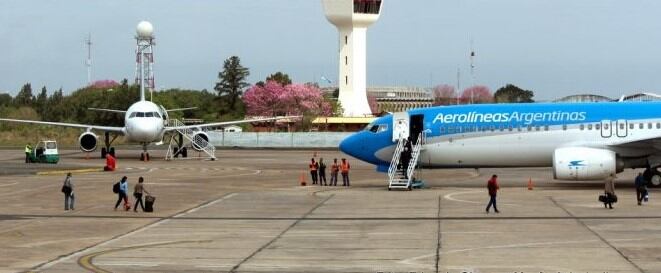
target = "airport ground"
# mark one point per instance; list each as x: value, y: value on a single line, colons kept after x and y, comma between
x: 245, y: 212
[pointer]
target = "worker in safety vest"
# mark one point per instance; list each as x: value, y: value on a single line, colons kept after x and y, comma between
x: 335, y: 169
x: 28, y: 151
x: 344, y: 168
x: 314, y: 166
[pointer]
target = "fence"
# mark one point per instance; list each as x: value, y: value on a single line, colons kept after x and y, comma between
x: 276, y: 140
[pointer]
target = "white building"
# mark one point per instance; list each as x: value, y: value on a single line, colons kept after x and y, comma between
x: 352, y: 18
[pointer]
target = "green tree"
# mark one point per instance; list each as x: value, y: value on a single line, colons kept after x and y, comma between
x: 232, y: 82
x: 5, y: 100
x: 279, y: 77
x: 24, y: 97
x: 41, y: 103
x: 512, y: 93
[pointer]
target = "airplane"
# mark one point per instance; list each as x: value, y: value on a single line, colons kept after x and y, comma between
x: 579, y: 141
x: 145, y: 123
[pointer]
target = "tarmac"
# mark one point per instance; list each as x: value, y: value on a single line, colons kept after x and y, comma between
x: 246, y: 212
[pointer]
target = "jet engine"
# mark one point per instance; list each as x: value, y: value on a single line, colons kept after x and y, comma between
x: 200, y: 140
x: 581, y: 163
x: 87, y: 142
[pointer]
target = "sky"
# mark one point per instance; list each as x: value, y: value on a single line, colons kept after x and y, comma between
x: 553, y: 47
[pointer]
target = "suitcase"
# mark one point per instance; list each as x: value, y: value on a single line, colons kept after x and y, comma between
x: 602, y: 198
x: 149, y: 203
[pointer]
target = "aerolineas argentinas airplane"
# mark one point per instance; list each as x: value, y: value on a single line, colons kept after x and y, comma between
x: 144, y: 123
x: 580, y: 141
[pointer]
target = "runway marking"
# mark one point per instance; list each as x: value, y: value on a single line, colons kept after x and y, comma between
x: 160, y: 221
x: 450, y: 197
x: 438, y: 235
x: 10, y: 184
x: 234, y: 269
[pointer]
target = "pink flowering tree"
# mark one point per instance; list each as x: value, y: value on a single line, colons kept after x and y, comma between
x: 444, y: 95
x: 104, y: 84
x: 265, y: 100
x: 274, y: 99
x: 476, y: 94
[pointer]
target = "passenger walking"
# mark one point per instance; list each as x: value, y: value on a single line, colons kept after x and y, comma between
x: 67, y: 189
x: 322, y: 171
x: 335, y: 169
x: 344, y: 167
x: 641, y: 188
x: 493, y: 188
x: 314, y: 166
x: 405, y: 159
x: 137, y: 193
x: 609, y: 188
x: 28, y: 151
x: 122, y: 193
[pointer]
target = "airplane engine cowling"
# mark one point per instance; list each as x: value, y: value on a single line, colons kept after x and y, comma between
x: 200, y: 141
x: 87, y: 142
x: 580, y: 163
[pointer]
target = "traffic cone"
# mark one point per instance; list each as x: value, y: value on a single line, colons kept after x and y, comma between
x: 302, y: 179
x: 530, y: 184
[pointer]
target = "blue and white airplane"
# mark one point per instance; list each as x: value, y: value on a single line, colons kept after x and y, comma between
x: 580, y: 141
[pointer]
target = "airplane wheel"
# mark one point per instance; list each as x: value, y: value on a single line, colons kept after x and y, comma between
x: 389, y: 189
x: 184, y: 152
x: 410, y: 188
x: 655, y: 181
x: 103, y: 152
x: 142, y: 156
x: 112, y: 151
x: 146, y: 156
x: 176, y: 152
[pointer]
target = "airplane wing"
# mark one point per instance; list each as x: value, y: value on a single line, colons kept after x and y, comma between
x: 227, y: 123
x: 181, y: 109
x: 72, y: 125
x: 107, y: 110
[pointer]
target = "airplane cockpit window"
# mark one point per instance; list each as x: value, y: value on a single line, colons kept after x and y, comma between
x: 133, y: 115
x: 374, y: 128
x: 156, y: 115
x: 379, y: 128
x: 140, y: 114
x: 149, y: 114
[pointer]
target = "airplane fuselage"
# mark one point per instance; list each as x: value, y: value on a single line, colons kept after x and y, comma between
x: 144, y: 122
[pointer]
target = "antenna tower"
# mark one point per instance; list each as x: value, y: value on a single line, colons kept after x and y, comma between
x: 88, y: 62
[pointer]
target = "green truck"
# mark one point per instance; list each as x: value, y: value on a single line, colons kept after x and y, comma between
x: 45, y: 152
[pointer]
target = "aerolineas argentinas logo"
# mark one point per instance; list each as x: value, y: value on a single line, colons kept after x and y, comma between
x: 512, y: 117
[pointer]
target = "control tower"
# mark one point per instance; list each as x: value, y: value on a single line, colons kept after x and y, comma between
x: 352, y: 17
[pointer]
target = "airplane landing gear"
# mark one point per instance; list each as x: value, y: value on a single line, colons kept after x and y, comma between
x: 107, y: 149
x: 653, y: 176
x: 144, y: 156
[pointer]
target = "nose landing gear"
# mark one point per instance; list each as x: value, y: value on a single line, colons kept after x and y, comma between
x: 144, y: 156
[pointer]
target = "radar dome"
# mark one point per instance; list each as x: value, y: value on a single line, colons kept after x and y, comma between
x: 145, y: 29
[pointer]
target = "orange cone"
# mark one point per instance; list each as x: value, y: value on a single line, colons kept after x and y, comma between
x: 303, y: 179
x: 530, y: 184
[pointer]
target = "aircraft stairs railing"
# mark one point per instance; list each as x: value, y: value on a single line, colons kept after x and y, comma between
x: 196, y: 141
x: 397, y: 180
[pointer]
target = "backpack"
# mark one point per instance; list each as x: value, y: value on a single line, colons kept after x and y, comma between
x: 115, y: 188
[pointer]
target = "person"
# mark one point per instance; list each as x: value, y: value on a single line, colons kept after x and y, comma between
x: 67, y: 189
x: 344, y: 167
x: 405, y: 159
x: 322, y: 171
x: 335, y: 169
x: 137, y: 193
x: 28, y: 151
x: 609, y: 189
x: 640, y: 188
x: 493, y: 188
x: 313, y: 170
x: 123, y: 189
x: 110, y: 163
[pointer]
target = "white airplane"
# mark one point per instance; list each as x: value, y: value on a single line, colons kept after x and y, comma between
x: 144, y: 123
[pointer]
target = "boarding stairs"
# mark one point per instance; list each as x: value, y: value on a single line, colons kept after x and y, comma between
x: 397, y: 179
x: 196, y: 141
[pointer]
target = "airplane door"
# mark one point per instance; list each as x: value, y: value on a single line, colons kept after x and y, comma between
x: 606, y: 129
x: 621, y: 128
x: 400, y: 127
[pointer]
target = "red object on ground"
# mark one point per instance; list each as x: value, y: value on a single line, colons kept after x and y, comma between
x: 110, y: 163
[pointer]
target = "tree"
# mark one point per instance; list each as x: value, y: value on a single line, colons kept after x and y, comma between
x: 476, y: 94
x: 273, y: 99
x: 5, y: 99
x: 279, y: 77
x: 444, y: 95
x: 512, y: 93
x: 232, y: 82
x: 41, y: 103
x: 24, y: 97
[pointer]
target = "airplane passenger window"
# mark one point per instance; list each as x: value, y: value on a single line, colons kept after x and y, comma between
x: 518, y: 128
x: 658, y: 125
x: 493, y: 128
x: 598, y: 126
x: 450, y: 129
x: 589, y: 126
x: 564, y: 127
x: 631, y: 126
x: 641, y: 126
x: 621, y: 126
x: 649, y: 125
x: 537, y: 128
x: 582, y: 127
x: 509, y: 128
x: 442, y: 130
x: 500, y: 127
x: 529, y: 127
x: 140, y: 114
x: 546, y: 127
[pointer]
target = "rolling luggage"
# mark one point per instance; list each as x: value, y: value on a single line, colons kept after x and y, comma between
x: 149, y: 203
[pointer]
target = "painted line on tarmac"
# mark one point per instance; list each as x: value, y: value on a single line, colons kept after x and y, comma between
x: 60, y: 172
x: 160, y: 221
x: 7, y: 185
x: 450, y: 196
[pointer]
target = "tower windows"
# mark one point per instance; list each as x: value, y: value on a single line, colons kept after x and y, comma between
x: 346, y: 60
x: 346, y: 39
x: 346, y: 80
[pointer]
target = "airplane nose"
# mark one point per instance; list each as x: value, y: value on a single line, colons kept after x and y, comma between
x: 351, y: 146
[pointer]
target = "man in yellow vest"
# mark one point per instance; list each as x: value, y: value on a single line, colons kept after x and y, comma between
x: 28, y: 151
